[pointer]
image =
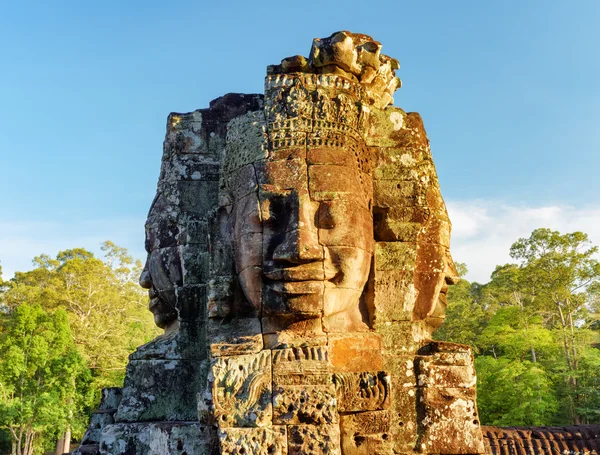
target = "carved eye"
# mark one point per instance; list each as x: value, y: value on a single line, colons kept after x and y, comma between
x: 324, y: 216
x: 273, y: 212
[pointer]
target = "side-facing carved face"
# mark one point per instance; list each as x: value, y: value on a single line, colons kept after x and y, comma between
x: 162, y: 272
x: 304, y: 245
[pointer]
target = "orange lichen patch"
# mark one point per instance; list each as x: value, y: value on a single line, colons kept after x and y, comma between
x: 355, y: 352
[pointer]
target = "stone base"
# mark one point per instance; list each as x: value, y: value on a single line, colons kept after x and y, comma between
x: 161, y: 390
x: 159, y: 438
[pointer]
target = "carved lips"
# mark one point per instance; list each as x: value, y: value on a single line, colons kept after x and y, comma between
x: 301, y: 279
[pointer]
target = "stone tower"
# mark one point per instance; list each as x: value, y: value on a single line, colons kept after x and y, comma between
x: 298, y: 260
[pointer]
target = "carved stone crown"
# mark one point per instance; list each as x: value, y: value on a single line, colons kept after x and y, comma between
x: 325, y: 101
x: 317, y: 110
x: 353, y: 56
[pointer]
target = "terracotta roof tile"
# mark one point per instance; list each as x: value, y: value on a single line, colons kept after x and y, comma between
x: 567, y: 440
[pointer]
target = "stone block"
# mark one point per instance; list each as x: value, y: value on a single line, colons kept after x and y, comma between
x: 366, y: 433
x: 194, y: 264
x: 355, y: 352
x: 242, y: 182
x: 439, y: 349
x: 308, y: 365
x: 402, y: 337
x: 159, y: 438
x: 98, y: 421
x: 191, y: 303
x: 431, y: 258
x: 253, y: 441
x: 393, y: 296
x: 390, y: 230
x: 280, y: 333
x: 395, y: 256
x: 187, y: 343
x: 444, y: 376
x: 194, y: 232
x: 189, y: 200
x: 221, y: 259
x: 304, y: 404
x: 111, y: 396
x: 451, y: 423
x: 292, y: 152
x: 326, y: 182
x: 235, y: 336
x: 246, y: 140
x: 184, y: 135
x: 395, y: 170
x: 189, y: 166
x: 325, y: 155
x: 428, y: 286
x: 275, y: 176
x: 241, y: 390
x: 220, y: 296
x: 314, y: 440
x: 437, y: 230
x: 366, y: 391
x: 401, y: 370
x: 307, y: 303
x: 247, y: 215
x: 416, y: 214
x: 161, y: 390
x: 404, y: 419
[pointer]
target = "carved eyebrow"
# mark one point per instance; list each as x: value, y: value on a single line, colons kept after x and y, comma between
x: 271, y: 191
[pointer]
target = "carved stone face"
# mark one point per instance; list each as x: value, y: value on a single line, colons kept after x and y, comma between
x: 439, y: 291
x: 162, y: 272
x: 304, y: 246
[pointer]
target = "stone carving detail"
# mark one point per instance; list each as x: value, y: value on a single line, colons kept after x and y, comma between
x: 305, y: 365
x: 256, y: 441
x: 366, y: 433
x: 241, y: 390
x: 304, y: 404
x: 362, y: 391
x: 298, y: 260
x: 314, y: 440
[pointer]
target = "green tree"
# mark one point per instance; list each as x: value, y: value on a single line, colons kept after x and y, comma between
x: 534, y: 329
x: 559, y: 270
x: 107, y: 309
x: 43, y: 379
x: 514, y: 392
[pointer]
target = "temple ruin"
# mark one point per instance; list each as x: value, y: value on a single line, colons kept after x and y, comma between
x: 298, y: 261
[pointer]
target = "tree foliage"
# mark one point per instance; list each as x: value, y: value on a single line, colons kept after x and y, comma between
x: 44, y: 382
x: 107, y: 309
x: 534, y: 330
x: 90, y: 314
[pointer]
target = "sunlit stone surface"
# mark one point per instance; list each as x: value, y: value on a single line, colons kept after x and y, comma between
x: 298, y: 261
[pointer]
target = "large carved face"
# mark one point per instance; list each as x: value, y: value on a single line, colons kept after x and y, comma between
x: 304, y: 244
x: 162, y: 272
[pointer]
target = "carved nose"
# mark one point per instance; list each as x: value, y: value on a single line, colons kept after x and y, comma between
x: 299, y: 246
x: 145, y: 280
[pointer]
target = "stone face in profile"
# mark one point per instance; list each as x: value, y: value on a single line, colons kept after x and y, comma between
x: 298, y: 260
x: 162, y: 272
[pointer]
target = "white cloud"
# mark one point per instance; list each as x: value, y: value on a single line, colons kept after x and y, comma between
x: 483, y: 230
x: 20, y: 242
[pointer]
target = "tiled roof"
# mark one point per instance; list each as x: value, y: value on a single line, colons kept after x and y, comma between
x: 570, y: 440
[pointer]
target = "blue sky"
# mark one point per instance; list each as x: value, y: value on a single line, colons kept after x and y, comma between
x: 508, y: 91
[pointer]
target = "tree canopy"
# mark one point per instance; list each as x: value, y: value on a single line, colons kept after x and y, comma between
x: 69, y: 325
x: 534, y: 329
